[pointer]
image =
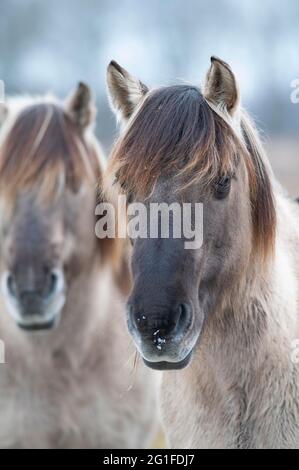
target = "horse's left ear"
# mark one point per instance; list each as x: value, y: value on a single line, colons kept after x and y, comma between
x: 221, y: 87
x: 80, y: 106
x: 125, y: 91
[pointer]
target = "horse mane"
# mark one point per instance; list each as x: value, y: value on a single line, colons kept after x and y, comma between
x: 177, y: 132
x: 44, y: 149
x: 264, y: 216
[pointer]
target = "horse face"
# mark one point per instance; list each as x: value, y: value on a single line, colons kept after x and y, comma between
x: 48, y: 201
x: 33, y: 280
x: 175, y: 290
x: 43, y: 250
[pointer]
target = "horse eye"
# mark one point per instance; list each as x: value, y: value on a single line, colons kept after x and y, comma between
x: 222, y: 187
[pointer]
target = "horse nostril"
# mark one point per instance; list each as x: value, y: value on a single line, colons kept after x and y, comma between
x: 168, y: 323
x: 53, y: 281
x: 56, y: 282
x: 11, y: 285
x: 138, y: 320
x: 184, y: 318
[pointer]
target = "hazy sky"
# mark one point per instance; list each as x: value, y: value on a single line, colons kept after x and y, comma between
x: 52, y: 45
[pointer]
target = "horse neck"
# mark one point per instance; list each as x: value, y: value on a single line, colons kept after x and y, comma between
x: 260, y: 316
x: 86, y: 309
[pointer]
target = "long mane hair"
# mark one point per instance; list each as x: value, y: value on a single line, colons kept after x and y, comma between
x: 177, y: 132
x: 43, y: 148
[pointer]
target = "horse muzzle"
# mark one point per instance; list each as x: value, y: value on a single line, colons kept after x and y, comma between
x: 31, y: 310
x: 166, y: 338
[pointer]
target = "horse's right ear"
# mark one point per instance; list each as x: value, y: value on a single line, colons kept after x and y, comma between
x: 221, y: 86
x: 125, y: 91
x: 80, y: 107
x: 3, y: 113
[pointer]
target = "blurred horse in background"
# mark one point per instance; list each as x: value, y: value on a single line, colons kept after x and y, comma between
x: 67, y: 381
x: 229, y: 309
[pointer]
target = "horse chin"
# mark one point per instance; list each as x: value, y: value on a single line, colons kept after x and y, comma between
x: 165, y: 365
x: 36, y: 327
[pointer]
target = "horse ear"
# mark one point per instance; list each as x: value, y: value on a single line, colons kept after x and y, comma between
x: 3, y: 113
x: 221, y: 87
x: 125, y: 91
x: 80, y: 106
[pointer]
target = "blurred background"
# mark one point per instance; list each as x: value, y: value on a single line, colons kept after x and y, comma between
x: 50, y: 46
